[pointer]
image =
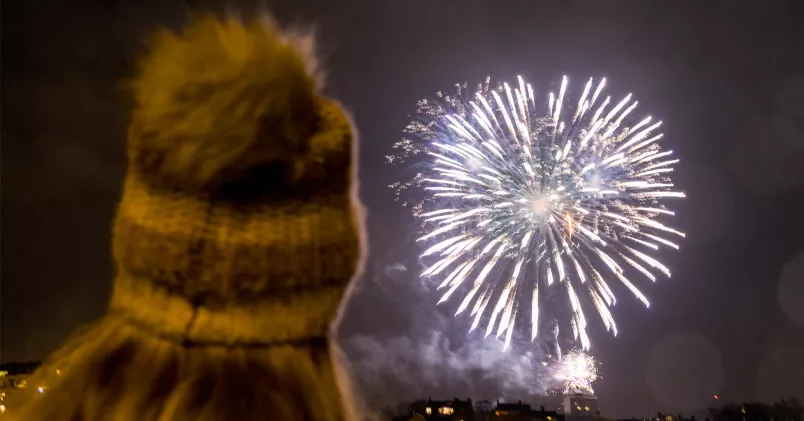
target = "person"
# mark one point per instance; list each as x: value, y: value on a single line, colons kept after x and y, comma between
x: 235, y: 241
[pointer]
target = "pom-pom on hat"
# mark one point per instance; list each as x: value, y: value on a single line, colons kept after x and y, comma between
x: 237, y: 223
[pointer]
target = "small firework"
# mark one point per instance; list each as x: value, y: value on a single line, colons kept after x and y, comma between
x: 575, y: 372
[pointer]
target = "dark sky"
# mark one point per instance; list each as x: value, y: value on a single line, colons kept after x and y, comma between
x: 726, y: 77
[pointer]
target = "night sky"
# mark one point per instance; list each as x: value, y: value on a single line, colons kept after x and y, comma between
x: 726, y: 77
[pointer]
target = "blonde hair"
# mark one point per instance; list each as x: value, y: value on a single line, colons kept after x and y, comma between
x: 115, y: 371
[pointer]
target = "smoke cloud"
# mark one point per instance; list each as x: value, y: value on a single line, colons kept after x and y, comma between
x: 405, y: 368
x: 433, y: 355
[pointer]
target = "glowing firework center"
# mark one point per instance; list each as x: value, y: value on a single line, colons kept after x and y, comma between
x: 575, y: 372
x: 521, y: 196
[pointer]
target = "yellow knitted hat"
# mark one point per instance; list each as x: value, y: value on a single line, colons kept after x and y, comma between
x: 237, y: 222
x: 237, y: 235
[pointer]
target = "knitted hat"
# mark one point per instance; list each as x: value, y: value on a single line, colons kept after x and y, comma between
x: 237, y: 235
x: 237, y: 221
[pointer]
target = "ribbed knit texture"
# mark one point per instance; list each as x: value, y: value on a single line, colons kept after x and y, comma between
x: 268, y: 267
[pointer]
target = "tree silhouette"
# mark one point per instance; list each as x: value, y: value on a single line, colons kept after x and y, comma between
x: 784, y: 410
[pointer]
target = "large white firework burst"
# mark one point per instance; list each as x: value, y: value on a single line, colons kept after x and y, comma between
x: 524, y: 194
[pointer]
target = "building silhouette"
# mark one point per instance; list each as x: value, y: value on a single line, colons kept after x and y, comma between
x: 443, y: 410
x: 522, y: 412
x: 511, y: 412
x: 580, y: 404
x: 543, y: 415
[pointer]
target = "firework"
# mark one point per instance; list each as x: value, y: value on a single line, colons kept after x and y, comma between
x: 575, y: 372
x: 522, y: 195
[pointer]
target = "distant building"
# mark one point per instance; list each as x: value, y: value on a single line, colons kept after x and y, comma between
x: 543, y: 415
x: 512, y: 412
x: 446, y: 410
x: 580, y: 404
x: 522, y: 412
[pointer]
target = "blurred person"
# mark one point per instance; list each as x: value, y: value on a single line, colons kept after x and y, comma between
x: 235, y: 241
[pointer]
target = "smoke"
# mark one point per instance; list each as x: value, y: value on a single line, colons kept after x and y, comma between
x: 421, y: 351
x: 406, y: 368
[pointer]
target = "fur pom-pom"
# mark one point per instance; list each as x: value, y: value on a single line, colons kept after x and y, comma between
x: 117, y: 372
x: 220, y: 98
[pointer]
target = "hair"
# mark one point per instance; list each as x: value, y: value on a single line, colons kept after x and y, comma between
x: 115, y: 371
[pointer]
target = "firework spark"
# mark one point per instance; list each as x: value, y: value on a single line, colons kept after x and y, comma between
x: 523, y: 195
x: 576, y: 371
